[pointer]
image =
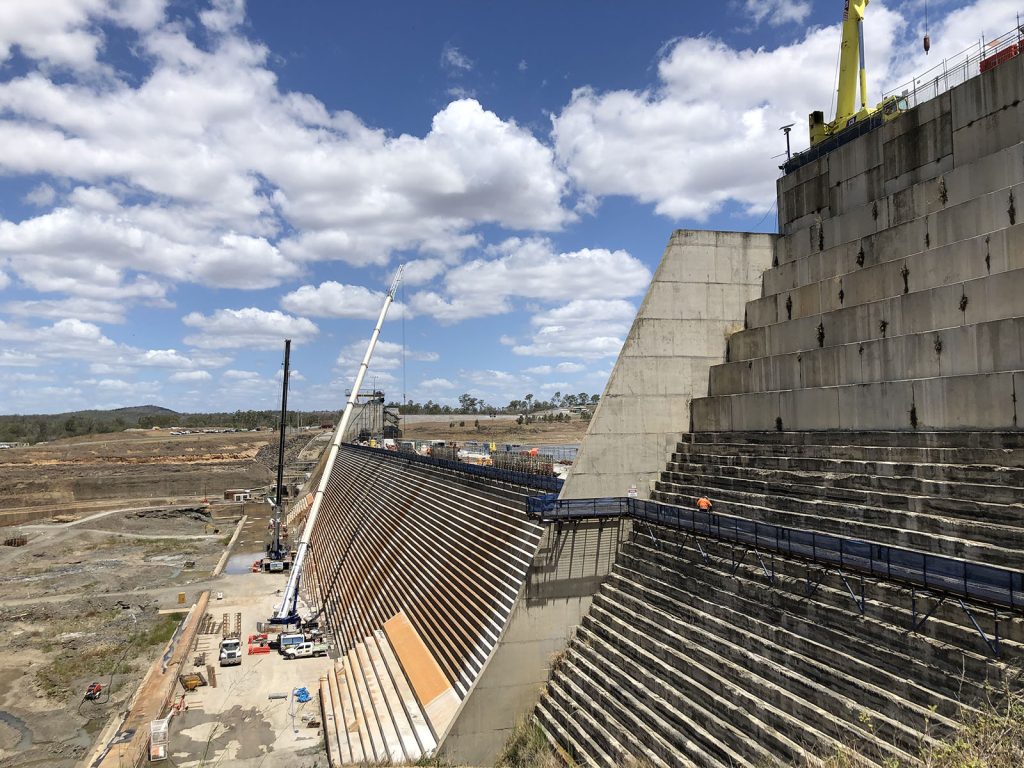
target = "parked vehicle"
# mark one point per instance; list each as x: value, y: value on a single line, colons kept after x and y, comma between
x: 230, y: 652
x: 305, y: 650
x: 288, y: 640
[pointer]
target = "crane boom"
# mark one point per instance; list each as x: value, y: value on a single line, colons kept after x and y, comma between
x: 287, y: 612
x: 852, y: 71
x: 853, y: 76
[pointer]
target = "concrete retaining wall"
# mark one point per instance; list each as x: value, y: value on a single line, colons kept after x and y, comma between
x: 694, y: 302
x: 570, y: 566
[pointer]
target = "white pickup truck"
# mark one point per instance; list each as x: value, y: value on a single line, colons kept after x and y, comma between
x: 305, y: 650
x: 230, y: 652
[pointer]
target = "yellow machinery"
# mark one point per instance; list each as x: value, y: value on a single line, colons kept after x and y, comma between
x: 852, y: 73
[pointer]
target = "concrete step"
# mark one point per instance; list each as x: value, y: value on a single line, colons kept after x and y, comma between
x: 683, y: 737
x: 693, y: 708
x: 889, y: 438
x: 573, y: 705
x: 907, y: 530
x: 888, y: 475
x: 561, y: 729
x: 989, y: 298
x: 1000, y: 525
x: 902, y: 490
x: 710, y: 692
x: 959, y: 351
x: 917, y: 269
x: 975, y: 402
x: 946, y: 645
x: 984, y: 212
x: 882, y: 248
x: 923, y: 460
x: 621, y: 713
x: 775, y: 674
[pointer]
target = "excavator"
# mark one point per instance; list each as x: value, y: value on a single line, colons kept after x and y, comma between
x: 852, y: 73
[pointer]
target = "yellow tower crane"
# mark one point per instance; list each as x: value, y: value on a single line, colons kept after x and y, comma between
x: 852, y: 73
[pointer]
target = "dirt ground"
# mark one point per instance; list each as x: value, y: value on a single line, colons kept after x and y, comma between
x: 105, y: 553
x: 498, y: 429
x: 81, y: 604
x: 78, y: 474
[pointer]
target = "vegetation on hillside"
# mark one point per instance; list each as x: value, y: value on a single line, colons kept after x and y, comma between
x: 468, y: 404
x: 36, y: 428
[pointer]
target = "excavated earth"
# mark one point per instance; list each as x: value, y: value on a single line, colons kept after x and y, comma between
x: 114, y: 527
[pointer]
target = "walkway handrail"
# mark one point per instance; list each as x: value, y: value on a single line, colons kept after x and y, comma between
x: 984, y: 583
x: 540, y: 482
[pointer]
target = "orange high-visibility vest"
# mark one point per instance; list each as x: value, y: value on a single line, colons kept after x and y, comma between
x: 704, y: 503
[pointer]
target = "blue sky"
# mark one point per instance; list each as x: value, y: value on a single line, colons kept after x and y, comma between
x: 185, y: 184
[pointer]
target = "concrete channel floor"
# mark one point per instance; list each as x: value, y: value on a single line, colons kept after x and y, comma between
x: 237, y: 723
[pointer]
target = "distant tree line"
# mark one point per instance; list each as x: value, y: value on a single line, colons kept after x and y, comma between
x: 468, y: 404
x: 37, y: 428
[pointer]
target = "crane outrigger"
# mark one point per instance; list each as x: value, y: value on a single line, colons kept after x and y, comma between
x: 853, y: 73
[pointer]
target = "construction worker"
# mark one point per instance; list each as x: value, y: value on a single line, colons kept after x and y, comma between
x: 704, y: 504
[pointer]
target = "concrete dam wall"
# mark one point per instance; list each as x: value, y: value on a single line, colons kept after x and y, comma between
x: 869, y: 398
x: 416, y: 571
x: 896, y: 296
x: 853, y: 379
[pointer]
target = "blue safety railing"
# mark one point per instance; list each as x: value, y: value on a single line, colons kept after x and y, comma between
x: 540, y: 482
x: 845, y: 136
x: 976, y: 581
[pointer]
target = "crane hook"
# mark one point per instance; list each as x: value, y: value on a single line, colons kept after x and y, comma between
x: 927, y: 37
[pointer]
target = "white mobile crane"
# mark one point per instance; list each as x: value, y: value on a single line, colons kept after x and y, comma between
x: 853, y: 72
x: 287, y: 612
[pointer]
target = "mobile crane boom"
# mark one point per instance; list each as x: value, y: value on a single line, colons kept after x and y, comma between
x: 852, y: 75
x: 287, y: 611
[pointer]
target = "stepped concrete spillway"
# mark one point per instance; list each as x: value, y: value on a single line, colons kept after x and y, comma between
x: 871, y: 397
x: 896, y: 296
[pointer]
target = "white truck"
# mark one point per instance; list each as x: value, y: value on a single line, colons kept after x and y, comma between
x: 305, y: 650
x: 230, y: 652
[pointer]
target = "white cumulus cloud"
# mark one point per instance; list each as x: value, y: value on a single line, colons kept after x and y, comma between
x: 247, y: 328
x: 190, y: 376
x: 586, y: 328
x: 332, y: 299
x: 531, y: 268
